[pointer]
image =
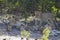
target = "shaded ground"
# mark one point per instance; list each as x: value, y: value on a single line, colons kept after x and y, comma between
x: 15, y: 34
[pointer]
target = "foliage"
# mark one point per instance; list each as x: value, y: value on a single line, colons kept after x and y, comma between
x: 54, y: 10
x: 57, y: 4
x: 46, y: 33
x: 30, y: 6
x: 25, y: 33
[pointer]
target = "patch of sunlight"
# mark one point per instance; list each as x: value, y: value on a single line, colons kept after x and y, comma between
x: 59, y: 11
x: 22, y: 19
x: 54, y: 8
x: 30, y: 18
x: 8, y: 15
x: 58, y: 19
x: 17, y: 3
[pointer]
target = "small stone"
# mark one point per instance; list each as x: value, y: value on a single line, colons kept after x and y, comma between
x: 35, y: 39
x: 4, y: 39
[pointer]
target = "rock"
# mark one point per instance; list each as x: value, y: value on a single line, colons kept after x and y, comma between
x: 19, y: 25
x: 23, y: 39
x: 9, y: 28
x: 4, y: 39
x: 55, y: 32
x: 5, y: 21
x: 22, y: 28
